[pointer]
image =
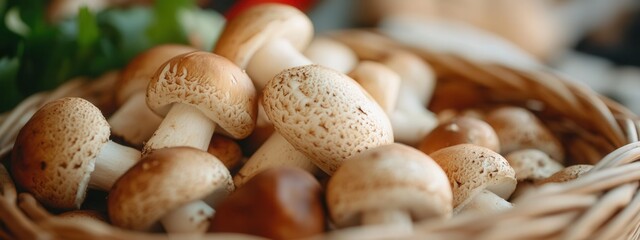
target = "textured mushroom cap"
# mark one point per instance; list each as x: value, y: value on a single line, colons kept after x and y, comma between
x: 472, y: 168
x: 532, y: 164
x: 54, y: 153
x: 136, y: 75
x: 162, y: 181
x: 78, y: 216
x: 517, y: 128
x: 325, y: 115
x: 278, y: 203
x: 460, y: 130
x: 256, y: 26
x: 394, y: 177
x: 567, y: 174
x: 213, y: 84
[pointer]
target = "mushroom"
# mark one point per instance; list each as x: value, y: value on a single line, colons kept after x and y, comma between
x: 531, y: 165
x: 168, y: 186
x: 378, y: 80
x: 517, y: 128
x: 481, y: 179
x: 266, y: 39
x: 134, y: 121
x: 79, y: 216
x: 392, y: 184
x: 278, y: 203
x: 460, y: 130
x: 330, y: 53
x: 226, y: 150
x: 325, y: 114
x: 566, y: 174
x: 64, y: 149
x: 196, y: 92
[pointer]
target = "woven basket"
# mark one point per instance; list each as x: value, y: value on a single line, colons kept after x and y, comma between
x: 601, y: 204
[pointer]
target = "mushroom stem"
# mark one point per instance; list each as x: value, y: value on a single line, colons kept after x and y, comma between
x: 275, y: 152
x: 184, y: 125
x: 134, y: 121
x: 411, y: 121
x: 485, y: 202
x: 271, y: 59
x: 387, y: 217
x: 112, y: 161
x: 193, y: 217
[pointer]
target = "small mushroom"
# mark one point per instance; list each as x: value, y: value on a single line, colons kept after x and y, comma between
x: 332, y: 54
x: 325, y: 114
x: 169, y: 186
x: 266, y: 39
x: 392, y: 184
x: 380, y: 82
x: 79, y: 216
x: 134, y: 121
x: 226, y: 150
x: 517, y: 129
x: 531, y: 165
x: 566, y: 174
x: 197, y: 92
x: 480, y: 178
x: 64, y: 149
x: 460, y: 130
x: 278, y: 203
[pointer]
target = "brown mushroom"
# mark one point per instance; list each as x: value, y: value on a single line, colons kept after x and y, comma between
x: 566, y: 174
x: 531, y: 165
x: 64, y: 149
x: 460, y: 130
x: 391, y: 184
x: 278, y: 203
x: 169, y: 185
x: 79, y: 216
x: 226, y: 150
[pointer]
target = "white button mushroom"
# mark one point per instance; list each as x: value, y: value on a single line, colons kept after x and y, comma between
x: 330, y: 53
x: 134, y: 121
x: 65, y: 148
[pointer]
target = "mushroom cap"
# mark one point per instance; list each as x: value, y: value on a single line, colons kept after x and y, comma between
x: 460, y: 130
x: 567, y: 174
x: 325, y: 114
x: 328, y: 52
x: 472, y: 168
x: 78, y: 216
x: 278, y: 203
x: 217, y: 87
x: 382, y: 83
x: 226, y: 150
x: 532, y: 164
x: 394, y: 177
x: 518, y: 128
x: 54, y: 153
x: 136, y: 75
x: 258, y: 25
x: 162, y: 181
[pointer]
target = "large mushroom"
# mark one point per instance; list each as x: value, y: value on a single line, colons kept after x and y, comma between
x: 480, y: 178
x: 392, y: 184
x: 64, y: 149
x: 134, y: 121
x: 196, y: 92
x: 169, y: 186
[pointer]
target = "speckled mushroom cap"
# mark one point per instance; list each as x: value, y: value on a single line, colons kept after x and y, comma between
x: 136, y: 75
x: 162, y: 181
x: 325, y: 115
x: 567, y: 174
x: 211, y: 83
x: 249, y: 31
x: 393, y: 176
x: 517, y: 128
x: 472, y: 168
x: 460, y: 130
x: 532, y: 164
x: 54, y: 153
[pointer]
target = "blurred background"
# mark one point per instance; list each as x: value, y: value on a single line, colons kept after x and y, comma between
x: 45, y: 43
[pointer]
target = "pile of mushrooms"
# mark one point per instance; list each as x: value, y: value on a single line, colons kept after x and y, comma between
x: 348, y: 128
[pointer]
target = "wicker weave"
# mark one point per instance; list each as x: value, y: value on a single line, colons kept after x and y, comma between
x: 601, y: 204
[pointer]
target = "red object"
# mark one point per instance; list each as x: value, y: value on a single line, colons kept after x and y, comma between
x: 241, y: 5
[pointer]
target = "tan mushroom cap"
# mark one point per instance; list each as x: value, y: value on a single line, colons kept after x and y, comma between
x: 473, y: 168
x: 211, y: 83
x: 567, y: 174
x: 78, y: 216
x: 226, y: 150
x: 532, y: 164
x: 136, y: 75
x: 162, y: 181
x: 325, y: 115
x: 382, y: 83
x: 54, y: 153
x: 392, y: 176
x: 460, y: 130
x: 518, y: 128
x: 258, y: 25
